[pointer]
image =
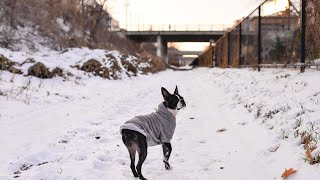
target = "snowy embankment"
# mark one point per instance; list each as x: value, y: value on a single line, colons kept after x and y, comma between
x: 238, y: 125
x: 76, y: 63
x: 284, y: 101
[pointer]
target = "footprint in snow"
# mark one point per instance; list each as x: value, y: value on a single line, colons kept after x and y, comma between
x: 104, y: 158
x: 121, y: 161
x: 97, y: 134
x: 96, y: 123
x: 79, y: 131
x: 81, y: 156
x: 66, y: 139
x: 97, y: 164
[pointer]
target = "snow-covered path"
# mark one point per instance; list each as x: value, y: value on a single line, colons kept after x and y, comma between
x: 77, y: 137
x: 204, y: 153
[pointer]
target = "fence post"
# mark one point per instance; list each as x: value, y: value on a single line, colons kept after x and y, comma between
x: 240, y: 40
x: 228, y: 36
x: 221, y: 49
x: 259, y: 38
x: 303, y: 36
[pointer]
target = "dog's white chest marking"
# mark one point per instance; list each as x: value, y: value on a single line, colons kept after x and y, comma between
x: 174, y: 112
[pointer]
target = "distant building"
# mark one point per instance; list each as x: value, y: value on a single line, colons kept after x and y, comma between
x: 274, y: 23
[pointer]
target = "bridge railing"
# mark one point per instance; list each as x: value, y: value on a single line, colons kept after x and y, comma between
x: 178, y: 27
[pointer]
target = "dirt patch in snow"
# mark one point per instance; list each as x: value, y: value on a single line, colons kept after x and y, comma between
x: 221, y: 130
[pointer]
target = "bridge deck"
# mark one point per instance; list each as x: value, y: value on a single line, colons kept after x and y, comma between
x: 175, y: 36
x: 175, y: 33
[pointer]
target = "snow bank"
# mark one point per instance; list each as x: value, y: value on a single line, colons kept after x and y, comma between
x: 22, y: 87
x: 71, y: 58
x: 283, y: 100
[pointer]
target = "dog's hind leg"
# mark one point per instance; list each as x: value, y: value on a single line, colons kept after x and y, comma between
x: 129, y: 138
x: 132, y: 152
x: 142, y: 150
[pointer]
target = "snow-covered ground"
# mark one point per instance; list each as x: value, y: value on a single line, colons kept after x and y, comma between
x: 238, y: 125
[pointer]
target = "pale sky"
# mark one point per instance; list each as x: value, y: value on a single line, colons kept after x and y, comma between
x: 180, y: 12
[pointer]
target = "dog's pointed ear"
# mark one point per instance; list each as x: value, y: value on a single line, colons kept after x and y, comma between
x: 165, y: 93
x: 176, y: 90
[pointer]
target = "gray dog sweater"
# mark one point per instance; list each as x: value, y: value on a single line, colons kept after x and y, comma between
x: 158, y: 127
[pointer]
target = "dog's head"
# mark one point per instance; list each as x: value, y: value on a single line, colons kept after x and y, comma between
x: 173, y: 101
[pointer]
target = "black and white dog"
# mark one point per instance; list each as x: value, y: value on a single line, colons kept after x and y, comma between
x: 152, y: 129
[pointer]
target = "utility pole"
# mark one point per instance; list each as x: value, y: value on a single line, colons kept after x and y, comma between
x: 303, y: 36
x: 126, y: 14
x: 259, y: 38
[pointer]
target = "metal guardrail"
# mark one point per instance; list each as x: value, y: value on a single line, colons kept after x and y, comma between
x: 178, y: 27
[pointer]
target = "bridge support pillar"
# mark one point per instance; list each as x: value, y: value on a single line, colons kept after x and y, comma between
x: 162, y: 48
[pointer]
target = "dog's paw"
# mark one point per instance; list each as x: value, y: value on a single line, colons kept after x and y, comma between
x: 167, y: 166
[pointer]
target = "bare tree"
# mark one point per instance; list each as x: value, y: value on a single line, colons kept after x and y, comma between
x: 7, y: 8
x: 313, y: 29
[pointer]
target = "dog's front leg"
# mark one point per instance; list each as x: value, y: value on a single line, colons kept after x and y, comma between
x: 166, y: 147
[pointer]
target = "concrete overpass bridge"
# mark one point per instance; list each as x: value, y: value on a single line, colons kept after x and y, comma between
x: 182, y: 53
x: 168, y: 33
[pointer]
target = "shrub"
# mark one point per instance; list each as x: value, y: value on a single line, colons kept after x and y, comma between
x: 57, y: 72
x: 95, y: 67
x: 129, y: 66
x: 115, y: 67
x: 39, y: 70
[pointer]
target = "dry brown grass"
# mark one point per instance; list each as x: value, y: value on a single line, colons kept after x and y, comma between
x: 156, y: 63
x: 7, y: 65
x: 205, y: 59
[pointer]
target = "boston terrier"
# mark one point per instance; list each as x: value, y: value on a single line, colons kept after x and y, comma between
x: 152, y: 129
